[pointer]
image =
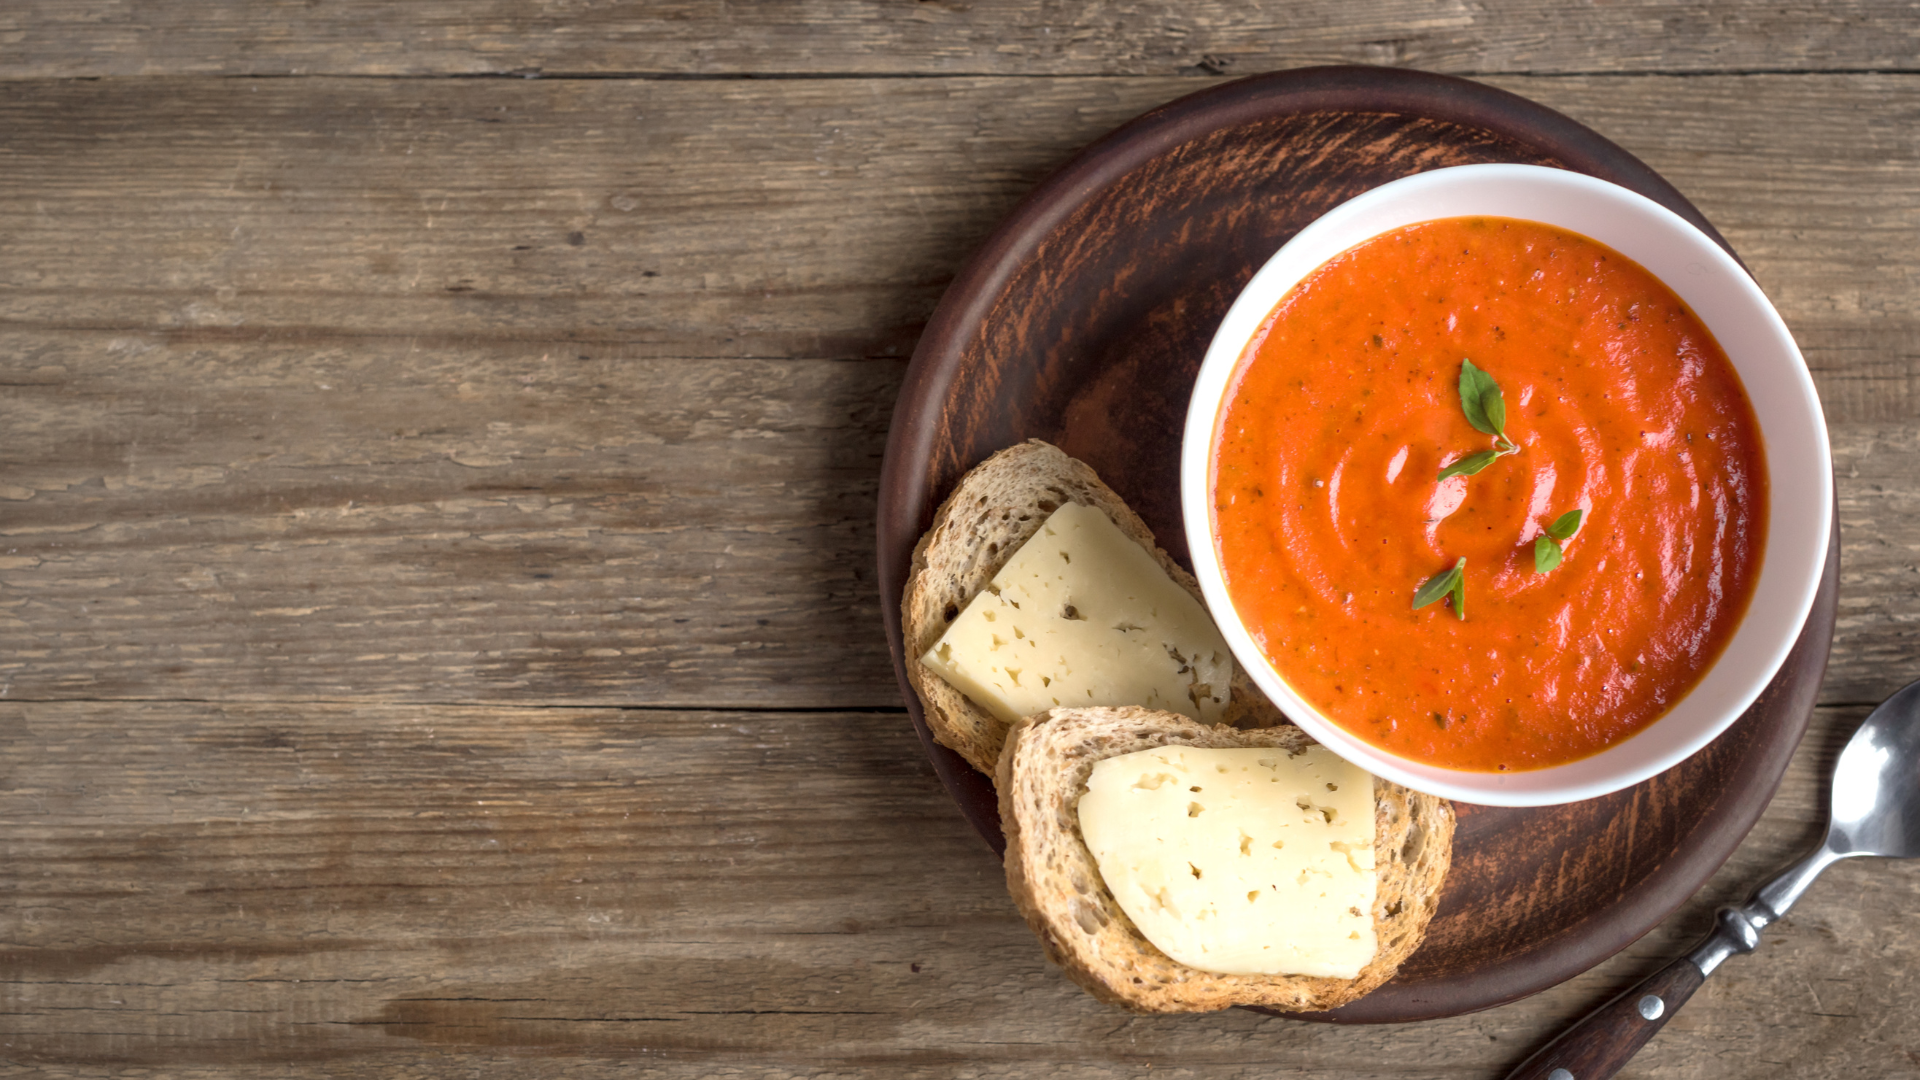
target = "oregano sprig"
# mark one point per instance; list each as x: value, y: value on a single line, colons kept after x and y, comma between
x: 1451, y: 581
x: 1486, y: 409
x: 1546, y: 547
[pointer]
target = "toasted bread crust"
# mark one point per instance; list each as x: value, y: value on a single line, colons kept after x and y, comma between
x: 1056, y: 882
x: 995, y: 508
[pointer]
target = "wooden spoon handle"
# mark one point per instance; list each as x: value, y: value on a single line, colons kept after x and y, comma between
x: 1598, y: 1046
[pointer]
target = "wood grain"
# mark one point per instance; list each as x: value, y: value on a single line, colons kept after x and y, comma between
x: 410, y: 523
x: 436, y: 523
x: 766, y: 894
x: 243, y: 369
x: 94, y: 38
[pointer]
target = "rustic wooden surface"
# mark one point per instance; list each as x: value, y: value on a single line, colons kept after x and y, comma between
x: 438, y: 633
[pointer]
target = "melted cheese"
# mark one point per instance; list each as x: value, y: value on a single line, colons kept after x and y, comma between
x: 1242, y: 861
x: 1081, y: 615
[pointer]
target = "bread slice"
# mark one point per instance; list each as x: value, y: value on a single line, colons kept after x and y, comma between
x: 996, y: 508
x: 1056, y: 882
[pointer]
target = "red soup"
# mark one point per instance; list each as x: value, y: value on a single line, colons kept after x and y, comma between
x: 1330, y: 514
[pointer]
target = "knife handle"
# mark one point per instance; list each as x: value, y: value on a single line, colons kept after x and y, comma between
x: 1600, y: 1045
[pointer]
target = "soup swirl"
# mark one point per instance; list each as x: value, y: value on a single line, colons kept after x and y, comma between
x: 1330, y: 513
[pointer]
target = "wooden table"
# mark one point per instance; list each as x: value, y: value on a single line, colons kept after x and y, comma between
x: 438, y: 448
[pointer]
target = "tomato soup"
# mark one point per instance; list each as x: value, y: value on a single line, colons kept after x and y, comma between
x: 1330, y: 514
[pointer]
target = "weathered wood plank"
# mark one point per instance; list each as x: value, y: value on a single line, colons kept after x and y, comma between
x: 262, y: 443
x: 351, y: 890
x: 429, y: 524
x: 63, y: 38
x: 669, y: 217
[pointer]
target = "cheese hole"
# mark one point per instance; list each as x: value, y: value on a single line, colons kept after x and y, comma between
x: 1193, y: 809
x: 1047, y: 680
x: 1073, y: 613
x: 1346, y: 850
x: 1279, y: 845
x: 1196, y: 871
x: 1330, y: 787
x: 1014, y: 674
x: 1308, y: 805
x: 1246, y: 844
x: 1252, y: 896
x: 1195, y: 787
x: 987, y: 615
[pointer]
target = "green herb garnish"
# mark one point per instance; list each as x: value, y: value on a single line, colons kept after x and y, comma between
x: 1546, y: 548
x: 1452, y: 581
x: 1486, y: 410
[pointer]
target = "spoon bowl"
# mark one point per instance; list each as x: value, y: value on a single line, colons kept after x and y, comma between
x: 1876, y: 783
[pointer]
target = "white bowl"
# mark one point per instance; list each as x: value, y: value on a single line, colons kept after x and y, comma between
x: 1792, y: 430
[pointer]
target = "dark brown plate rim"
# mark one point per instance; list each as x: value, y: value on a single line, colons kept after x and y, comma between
x: 906, y: 504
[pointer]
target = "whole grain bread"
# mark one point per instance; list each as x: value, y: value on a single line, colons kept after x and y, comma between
x: 1057, y: 885
x: 995, y: 508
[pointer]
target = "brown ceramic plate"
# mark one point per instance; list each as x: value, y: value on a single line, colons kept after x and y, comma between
x: 1083, y: 320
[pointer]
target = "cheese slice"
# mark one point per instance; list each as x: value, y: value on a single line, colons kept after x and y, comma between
x: 1082, y: 615
x: 1242, y: 861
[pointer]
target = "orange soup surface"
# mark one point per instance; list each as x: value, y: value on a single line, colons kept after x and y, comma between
x: 1329, y: 514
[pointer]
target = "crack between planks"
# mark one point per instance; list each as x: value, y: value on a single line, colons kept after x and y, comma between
x: 302, y: 335
x: 669, y: 706
x: 653, y: 707
x: 1197, y: 73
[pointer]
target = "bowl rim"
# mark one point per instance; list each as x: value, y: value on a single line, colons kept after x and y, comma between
x: 1710, y: 280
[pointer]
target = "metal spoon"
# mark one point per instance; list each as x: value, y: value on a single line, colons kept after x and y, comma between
x: 1875, y: 810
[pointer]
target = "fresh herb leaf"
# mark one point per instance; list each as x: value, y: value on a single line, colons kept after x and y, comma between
x: 1546, y: 548
x: 1565, y: 525
x: 1546, y: 554
x: 1494, y: 404
x: 1448, y: 582
x: 1486, y: 410
x: 1470, y: 464
x: 1481, y: 400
